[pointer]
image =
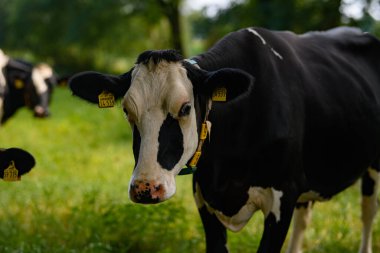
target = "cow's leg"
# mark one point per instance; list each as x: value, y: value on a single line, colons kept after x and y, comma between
x: 277, y: 223
x: 370, y: 205
x: 216, y: 234
x: 301, y: 219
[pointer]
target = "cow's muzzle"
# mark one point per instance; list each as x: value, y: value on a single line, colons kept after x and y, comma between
x: 146, y: 192
x: 41, y: 112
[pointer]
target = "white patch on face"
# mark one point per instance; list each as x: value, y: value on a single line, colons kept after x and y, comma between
x: 155, y: 92
x: 265, y: 43
x: 3, y: 62
x: 39, y: 74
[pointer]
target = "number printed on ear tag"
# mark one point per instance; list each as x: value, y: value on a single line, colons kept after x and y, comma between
x: 106, y: 99
x: 11, y: 173
x: 219, y: 95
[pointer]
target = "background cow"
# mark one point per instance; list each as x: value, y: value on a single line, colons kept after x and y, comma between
x: 23, y: 84
x: 293, y: 119
x: 15, y: 159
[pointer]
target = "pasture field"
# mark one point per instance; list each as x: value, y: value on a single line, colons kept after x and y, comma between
x: 76, y: 199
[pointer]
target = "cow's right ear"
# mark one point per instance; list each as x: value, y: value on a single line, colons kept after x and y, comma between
x: 89, y: 85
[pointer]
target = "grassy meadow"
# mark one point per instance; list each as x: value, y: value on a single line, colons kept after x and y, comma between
x: 76, y: 199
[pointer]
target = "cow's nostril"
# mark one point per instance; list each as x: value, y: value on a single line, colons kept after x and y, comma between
x: 146, y: 192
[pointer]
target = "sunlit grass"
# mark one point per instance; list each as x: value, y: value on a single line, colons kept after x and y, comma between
x: 76, y: 200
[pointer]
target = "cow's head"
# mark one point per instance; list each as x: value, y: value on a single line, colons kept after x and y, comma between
x: 164, y: 99
x: 15, y: 159
x: 27, y: 85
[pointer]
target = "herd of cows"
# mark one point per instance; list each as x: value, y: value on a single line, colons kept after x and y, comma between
x: 22, y: 84
x: 265, y: 120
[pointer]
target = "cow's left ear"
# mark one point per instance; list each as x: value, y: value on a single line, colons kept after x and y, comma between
x: 89, y: 85
x: 228, y: 84
x: 16, y: 158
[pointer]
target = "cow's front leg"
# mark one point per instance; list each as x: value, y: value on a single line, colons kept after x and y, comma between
x: 277, y: 221
x: 301, y: 219
x: 216, y: 234
x: 370, y: 206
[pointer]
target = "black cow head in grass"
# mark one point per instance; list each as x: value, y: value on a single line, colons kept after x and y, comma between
x: 165, y: 100
x: 15, y: 162
x: 23, y: 84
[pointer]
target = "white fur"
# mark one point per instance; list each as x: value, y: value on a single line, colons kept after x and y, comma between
x: 301, y: 219
x: 1, y: 108
x: 155, y: 91
x: 3, y: 62
x: 257, y: 34
x: 39, y: 74
x: 370, y: 207
x: 310, y: 196
x: 276, y: 54
x: 265, y: 199
x: 254, y: 32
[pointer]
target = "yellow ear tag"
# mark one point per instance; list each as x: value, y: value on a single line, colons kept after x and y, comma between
x: 19, y: 84
x: 11, y: 173
x: 219, y: 95
x: 106, y: 99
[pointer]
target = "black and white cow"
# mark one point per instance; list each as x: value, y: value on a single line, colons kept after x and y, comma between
x: 23, y: 84
x: 15, y: 162
x: 300, y: 123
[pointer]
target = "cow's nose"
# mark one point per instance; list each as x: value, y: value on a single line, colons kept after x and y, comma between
x: 41, y: 112
x: 146, y: 192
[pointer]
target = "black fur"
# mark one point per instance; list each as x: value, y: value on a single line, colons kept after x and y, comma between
x: 159, y: 55
x: 170, y: 141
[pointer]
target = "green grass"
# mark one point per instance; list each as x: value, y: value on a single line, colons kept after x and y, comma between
x: 76, y: 199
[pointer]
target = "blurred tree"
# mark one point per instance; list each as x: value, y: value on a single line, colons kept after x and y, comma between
x: 295, y: 15
x: 82, y: 34
x: 171, y: 9
x: 108, y: 34
x: 365, y: 20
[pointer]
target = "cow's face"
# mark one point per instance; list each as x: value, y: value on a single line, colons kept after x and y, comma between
x: 43, y: 82
x: 159, y: 96
x: 160, y: 108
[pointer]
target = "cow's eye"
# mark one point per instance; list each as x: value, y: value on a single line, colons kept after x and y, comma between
x: 185, y: 109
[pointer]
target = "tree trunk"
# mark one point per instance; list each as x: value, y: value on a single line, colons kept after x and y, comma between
x: 171, y: 9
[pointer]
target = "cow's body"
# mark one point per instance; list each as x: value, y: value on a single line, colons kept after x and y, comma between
x: 310, y: 125
x: 308, y: 128
x: 23, y: 84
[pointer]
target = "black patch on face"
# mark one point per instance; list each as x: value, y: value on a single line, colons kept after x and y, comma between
x: 170, y: 141
x: 136, y: 143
